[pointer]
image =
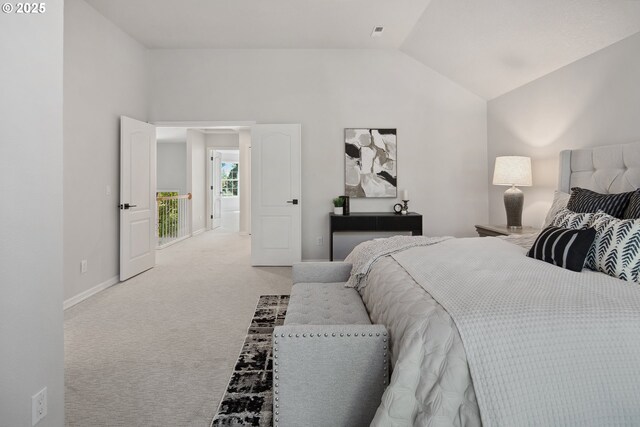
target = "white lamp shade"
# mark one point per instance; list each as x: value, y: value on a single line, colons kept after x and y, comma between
x: 512, y: 170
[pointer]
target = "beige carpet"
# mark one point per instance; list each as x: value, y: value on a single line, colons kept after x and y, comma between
x: 158, y: 349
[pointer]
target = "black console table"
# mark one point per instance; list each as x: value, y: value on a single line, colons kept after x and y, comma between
x: 375, y: 221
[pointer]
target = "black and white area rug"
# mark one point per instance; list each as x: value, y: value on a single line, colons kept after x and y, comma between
x: 248, y: 399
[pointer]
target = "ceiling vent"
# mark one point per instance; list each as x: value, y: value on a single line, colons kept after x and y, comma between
x: 377, y: 31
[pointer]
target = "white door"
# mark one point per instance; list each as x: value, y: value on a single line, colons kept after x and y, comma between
x: 275, y: 195
x: 216, y: 189
x: 137, y: 197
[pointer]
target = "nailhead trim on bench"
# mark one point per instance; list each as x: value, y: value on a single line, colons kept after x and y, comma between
x: 275, y: 362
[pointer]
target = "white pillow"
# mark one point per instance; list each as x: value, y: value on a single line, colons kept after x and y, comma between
x: 560, y: 200
x: 572, y: 220
x: 616, y: 249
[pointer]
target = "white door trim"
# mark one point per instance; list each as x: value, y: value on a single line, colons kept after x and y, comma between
x: 212, y: 222
x: 204, y: 124
x: 209, y: 154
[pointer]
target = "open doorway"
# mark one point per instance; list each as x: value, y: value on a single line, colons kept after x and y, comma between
x: 195, y: 193
x: 229, y: 180
x: 226, y: 164
x: 266, y: 157
x: 173, y: 199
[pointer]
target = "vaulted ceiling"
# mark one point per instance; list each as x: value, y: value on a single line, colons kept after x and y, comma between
x: 487, y: 46
x: 493, y: 46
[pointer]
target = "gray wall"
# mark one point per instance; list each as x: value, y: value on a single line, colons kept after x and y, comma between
x: 223, y: 140
x: 172, y: 166
x: 31, y: 334
x: 105, y: 76
x: 196, y: 179
x: 441, y: 126
x: 594, y: 101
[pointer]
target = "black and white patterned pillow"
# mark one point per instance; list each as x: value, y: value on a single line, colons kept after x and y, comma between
x: 616, y: 249
x: 633, y: 208
x: 566, y: 218
x: 563, y: 247
x: 583, y: 200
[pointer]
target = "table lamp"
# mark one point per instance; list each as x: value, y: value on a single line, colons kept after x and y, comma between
x: 513, y: 170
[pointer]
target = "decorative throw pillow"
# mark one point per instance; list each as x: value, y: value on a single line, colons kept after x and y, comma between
x: 616, y: 249
x: 560, y: 199
x: 569, y: 219
x: 583, y: 200
x: 633, y: 208
x: 563, y: 247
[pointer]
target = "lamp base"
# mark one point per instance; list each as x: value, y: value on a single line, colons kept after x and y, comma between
x: 513, y: 203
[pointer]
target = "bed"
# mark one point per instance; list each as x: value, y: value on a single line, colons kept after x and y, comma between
x: 483, y: 335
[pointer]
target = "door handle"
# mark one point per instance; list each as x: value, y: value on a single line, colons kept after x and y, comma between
x: 127, y: 206
x: 294, y: 201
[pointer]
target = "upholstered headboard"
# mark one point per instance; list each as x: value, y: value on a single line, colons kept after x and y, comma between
x: 608, y: 169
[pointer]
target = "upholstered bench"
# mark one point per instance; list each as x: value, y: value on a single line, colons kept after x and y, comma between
x: 330, y: 364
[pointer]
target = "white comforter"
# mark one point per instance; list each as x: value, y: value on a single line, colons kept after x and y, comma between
x: 544, y: 346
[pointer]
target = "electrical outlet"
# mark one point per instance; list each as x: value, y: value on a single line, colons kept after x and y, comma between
x: 38, y: 406
x: 319, y: 241
x: 83, y: 266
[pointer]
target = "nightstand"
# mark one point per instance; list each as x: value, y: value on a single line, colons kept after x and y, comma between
x: 503, y: 230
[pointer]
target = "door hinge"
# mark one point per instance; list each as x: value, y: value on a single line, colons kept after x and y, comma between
x: 212, y: 187
x: 211, y: 216
x: 212, y: 159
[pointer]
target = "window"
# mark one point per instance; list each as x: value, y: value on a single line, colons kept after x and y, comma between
x: 229, y: 179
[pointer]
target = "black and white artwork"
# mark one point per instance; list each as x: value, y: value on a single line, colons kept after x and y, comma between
x: 370, y: 162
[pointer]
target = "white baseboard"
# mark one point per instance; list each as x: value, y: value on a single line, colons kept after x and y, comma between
x: 90, y: 292
x: 315, y: 260
x: 202, y: 230
x: 166, y: 245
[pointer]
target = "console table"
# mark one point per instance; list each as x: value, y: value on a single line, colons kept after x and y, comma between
x: 374, y: 221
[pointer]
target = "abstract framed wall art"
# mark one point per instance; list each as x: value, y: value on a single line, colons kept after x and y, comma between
x: 370, y: 163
